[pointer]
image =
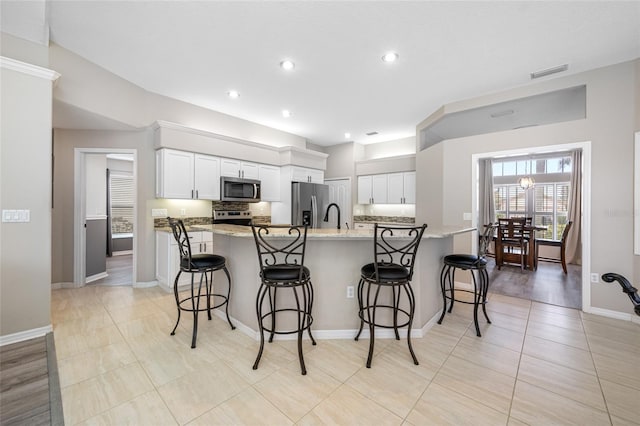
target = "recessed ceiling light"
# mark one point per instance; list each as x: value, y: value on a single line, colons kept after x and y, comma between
x: 347, y: 135
x: 286, y: 113
x: 390, y: 57
x: 287, y: 65
x: 233, y: 94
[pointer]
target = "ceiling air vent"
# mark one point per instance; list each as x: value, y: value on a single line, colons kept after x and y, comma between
x: 548, y: 71
x: 371, y: 133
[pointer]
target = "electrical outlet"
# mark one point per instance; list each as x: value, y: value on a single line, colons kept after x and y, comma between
x: 466, y: 216
x: 595, y: 278
x: 183, y: 212
x: 350, y: 290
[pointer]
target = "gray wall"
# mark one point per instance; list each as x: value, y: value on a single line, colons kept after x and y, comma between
x: 96, y: 247
x: 25, y: 183
x: 65, y: 141
x: 612, y: 97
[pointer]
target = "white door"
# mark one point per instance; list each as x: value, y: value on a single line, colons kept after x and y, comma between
x: 339, y: 193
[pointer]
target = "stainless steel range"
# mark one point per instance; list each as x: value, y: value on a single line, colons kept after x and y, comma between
x: 233, y: 217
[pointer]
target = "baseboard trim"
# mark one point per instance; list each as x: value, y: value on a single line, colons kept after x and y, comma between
x: 345, y: 334
x: 58, y: 286
x: 25, y: 335
x: 145, y: 284
x: 96, y: 277
x: 613, y: 314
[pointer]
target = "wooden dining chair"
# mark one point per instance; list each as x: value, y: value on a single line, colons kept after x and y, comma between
x: 511, y: 236
x: 555, y: 243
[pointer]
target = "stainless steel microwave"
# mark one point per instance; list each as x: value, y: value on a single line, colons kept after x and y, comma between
x: 238, y: 189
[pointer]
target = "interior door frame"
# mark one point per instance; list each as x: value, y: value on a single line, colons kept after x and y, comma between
x: 79, y: 210
x: 586, y: 201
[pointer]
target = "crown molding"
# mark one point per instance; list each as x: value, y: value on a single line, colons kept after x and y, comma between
x: 30, y: 69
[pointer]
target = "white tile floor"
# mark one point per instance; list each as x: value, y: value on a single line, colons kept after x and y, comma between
x: 536, y: 364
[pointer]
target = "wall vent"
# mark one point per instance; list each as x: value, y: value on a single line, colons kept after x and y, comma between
x: 371, y: 133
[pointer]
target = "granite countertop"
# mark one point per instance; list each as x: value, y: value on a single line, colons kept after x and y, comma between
x: 330, y: 234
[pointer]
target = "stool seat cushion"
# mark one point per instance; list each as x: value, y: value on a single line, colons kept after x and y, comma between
x: 465, y: 261
x: 203, y: 261
x: 387, y: 272
x: 285, y: 272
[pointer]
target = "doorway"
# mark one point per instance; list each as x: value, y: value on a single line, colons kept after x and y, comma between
x: 105, y: 216
x: 340, y: 193
x: 582, y: 274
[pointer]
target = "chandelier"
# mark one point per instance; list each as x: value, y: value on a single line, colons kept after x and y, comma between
x: 526, y: 182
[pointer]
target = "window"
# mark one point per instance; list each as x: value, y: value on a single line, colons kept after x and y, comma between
x: 121, y: 193
x: 547, y: 202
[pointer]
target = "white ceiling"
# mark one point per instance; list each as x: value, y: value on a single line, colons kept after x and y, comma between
x: 196, y: 51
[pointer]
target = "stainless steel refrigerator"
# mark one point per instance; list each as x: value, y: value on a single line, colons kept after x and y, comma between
x: 308, y: 203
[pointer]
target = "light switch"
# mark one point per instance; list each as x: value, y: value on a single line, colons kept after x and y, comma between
x: 7, y: 215
x: 16, y: 215
x: 466, y: 216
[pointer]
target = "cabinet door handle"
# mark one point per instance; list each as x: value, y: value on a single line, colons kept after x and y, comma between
x: 197, y: 196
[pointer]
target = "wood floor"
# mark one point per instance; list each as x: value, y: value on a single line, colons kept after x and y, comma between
x: 548, y: 284
x: 119, y: 269
x: 29, y: 385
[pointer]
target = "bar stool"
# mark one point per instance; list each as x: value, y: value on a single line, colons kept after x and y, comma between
x: 281, y: 250
x: 395, y: 250
x: 205, y: 265
x: 468, y: 262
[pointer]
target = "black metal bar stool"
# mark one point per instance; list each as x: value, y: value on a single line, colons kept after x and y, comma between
x: 205, y: 265
x: 395, y: 250
x: 468, y: 262
x: 281, y: 250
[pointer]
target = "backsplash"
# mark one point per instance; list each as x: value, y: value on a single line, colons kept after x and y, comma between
x: 228, y: 205
x: 162, y: 222
x: 386, y: 219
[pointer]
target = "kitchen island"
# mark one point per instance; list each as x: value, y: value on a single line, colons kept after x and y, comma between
x: 334, y: 258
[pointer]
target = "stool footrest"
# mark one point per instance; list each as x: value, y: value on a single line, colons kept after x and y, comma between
x: 363, y: 316
x: 203, y: 308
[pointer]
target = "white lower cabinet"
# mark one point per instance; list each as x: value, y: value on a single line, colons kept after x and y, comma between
x: 168, y: 256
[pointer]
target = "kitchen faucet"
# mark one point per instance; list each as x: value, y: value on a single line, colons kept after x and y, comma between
x: 326, y: 215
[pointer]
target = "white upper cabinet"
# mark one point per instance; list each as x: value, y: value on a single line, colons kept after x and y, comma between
x: 409, y: 187
x: 379, y: 189
x: 364, y: 189
x: 207, y: 177
x: 402, y: 188
x: 392, y: 188
x: 239, y: 169
x: 185, y: 175
x: 372, y: 189
x: 270, y: 182
x: 303, y: 174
